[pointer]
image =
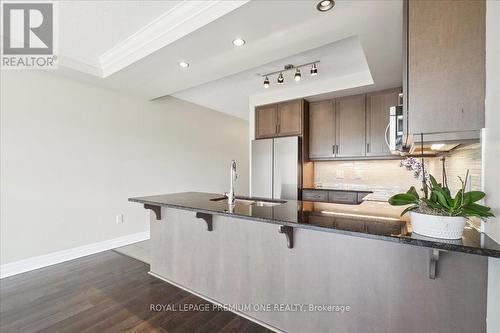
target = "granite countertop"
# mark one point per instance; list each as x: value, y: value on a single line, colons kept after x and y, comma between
x: 355, y: 220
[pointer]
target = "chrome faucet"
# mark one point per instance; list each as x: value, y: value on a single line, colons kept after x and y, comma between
x: 234, y: 175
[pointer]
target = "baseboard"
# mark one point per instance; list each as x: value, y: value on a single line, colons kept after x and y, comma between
x: 45, y: 260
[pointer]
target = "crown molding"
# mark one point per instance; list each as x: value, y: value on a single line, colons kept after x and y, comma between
x: 80, y: 65
x: 184, y: 18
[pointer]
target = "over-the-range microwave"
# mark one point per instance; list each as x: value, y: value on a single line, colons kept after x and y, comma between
x: 394, y: 130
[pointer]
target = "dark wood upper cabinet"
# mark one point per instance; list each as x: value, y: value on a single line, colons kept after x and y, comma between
x: 446, y: 65
x: 351, y: 127
x: 290, y: 118
x: 322, y: 129
x: 377, y: 118
x: 266, y: 121
x: 282, y: 119
x: 350, y: 131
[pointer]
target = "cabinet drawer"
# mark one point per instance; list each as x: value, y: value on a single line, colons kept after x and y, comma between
x: 343, y: 197
x: 312, y: 195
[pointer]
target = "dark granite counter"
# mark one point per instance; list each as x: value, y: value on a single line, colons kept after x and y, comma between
x: 325, y: 217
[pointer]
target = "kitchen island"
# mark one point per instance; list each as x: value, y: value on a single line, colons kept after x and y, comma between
x: 299, y: 266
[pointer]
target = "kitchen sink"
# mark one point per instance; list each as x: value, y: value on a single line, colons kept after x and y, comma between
x: 253, y: 201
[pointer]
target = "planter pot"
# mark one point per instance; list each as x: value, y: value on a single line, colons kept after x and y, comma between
x: 445, y: 227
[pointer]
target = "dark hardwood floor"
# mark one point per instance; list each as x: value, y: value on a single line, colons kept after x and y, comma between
x: 105, y: 292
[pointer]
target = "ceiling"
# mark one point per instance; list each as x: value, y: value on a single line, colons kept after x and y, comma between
x: 136, y: 47
x: 102, y: 25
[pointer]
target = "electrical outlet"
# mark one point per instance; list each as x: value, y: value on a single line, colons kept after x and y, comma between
x: 339, y: 174
x: 119, y: 219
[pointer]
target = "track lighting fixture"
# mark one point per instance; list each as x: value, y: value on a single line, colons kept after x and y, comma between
x: 266, y: 82
x: 280, y: 80
x: 297, y: 75
x: 289, y: 67
x: 314, y: 70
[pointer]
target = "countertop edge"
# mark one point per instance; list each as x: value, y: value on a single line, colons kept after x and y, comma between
x: 394, y: 239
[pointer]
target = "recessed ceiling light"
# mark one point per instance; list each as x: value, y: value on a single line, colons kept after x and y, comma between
x: 183, y: 64
x: 325, y: 5
x: 238, y: 42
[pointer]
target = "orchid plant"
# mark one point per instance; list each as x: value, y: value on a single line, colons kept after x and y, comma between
x: 438, y: 200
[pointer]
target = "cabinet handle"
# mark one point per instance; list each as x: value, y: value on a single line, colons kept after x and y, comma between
x: 338, y: 149
x: 367, y: 147
x: 333, y: 149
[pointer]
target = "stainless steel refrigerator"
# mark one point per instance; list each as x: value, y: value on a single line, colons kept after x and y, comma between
x: 276, y: 168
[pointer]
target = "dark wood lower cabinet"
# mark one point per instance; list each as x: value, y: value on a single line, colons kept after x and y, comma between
x: 333, y: 196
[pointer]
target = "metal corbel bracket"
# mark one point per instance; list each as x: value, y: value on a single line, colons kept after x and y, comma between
x: 207, y: 218
x: 155, y: 209
x: 288, y: 231
x: 433, y: 263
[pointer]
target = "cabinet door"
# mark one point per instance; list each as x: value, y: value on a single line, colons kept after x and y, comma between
x: 350, y: 133
x: 321, y: 129
x: 290, y: 118
x: 446, y: 65
x: 377, y: 118
x: 266, y: 121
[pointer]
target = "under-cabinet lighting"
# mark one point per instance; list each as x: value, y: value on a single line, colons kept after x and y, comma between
x: 437, y: 146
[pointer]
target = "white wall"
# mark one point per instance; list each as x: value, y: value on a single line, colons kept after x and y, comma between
x: 72, y: 153
x: 492, y: 155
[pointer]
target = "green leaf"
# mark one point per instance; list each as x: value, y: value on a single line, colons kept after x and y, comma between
x: 433, y: 198
x: 408, y: 209
x: 458, y: 200
x: 431, y: 204
x: 413, y: 191
x: 434, y: 182
x: 478, y: 207
x: 472, y: 212
x: 473, y: 196
x: 403, y: 199
x: 441, y: 199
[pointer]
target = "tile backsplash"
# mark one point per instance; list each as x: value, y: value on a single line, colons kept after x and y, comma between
x: 457, y: 164
x: 387, y: 177
x: 381, y: 176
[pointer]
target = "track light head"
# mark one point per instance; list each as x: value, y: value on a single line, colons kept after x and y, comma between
x: 281, y: 79
x: 314, y: 70
x: 266, y: 82
x: 297, y: 75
